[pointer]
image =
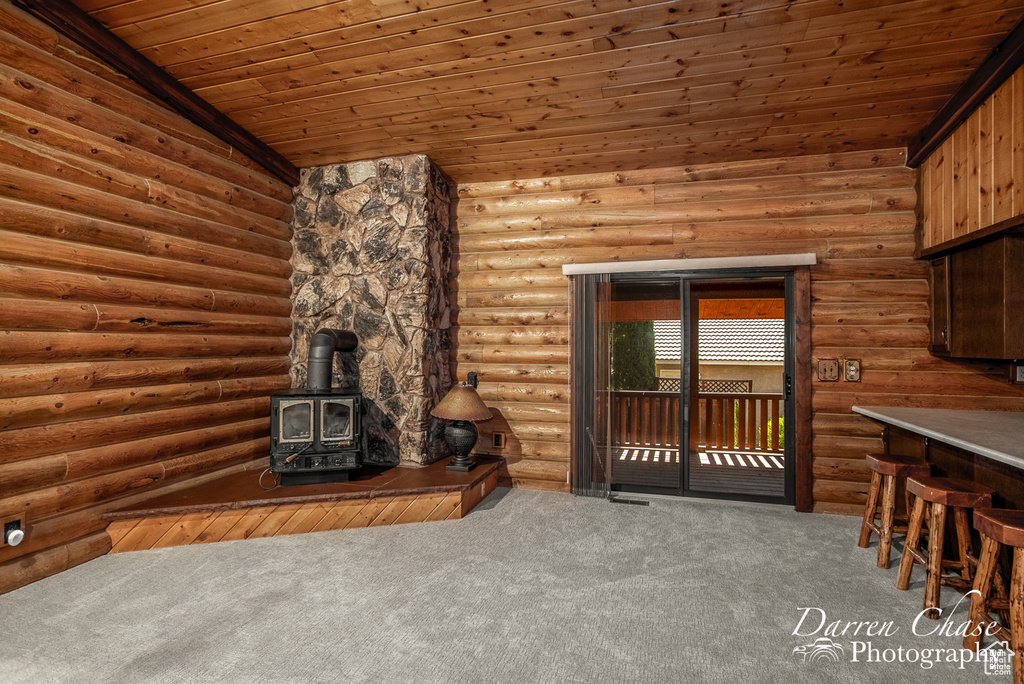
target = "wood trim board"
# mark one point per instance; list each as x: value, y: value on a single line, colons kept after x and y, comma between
x: 65, y: 17
x: 1004, y: 60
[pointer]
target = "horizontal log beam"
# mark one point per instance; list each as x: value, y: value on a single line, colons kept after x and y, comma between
x: 28, y: 250
x: 21, y: 380
x: 59, y: 408
x: 35, y: 188
x: 28, y: 474
x: 36, y: 314
x: 48, y: 222
x: 23, y: 282
x: 516, y: 373
x: 31, y: 347
x: 479, y: 353
x: 55, y: 438
x: 747, y: 168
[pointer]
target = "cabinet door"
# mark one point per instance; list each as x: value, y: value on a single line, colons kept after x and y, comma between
x: 938, y: 305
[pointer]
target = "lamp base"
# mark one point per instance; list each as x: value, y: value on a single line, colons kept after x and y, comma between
x: 462, y: 468
x: 461, y: 438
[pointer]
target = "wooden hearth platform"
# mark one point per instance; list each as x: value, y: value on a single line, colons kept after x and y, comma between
x: 237, y: 507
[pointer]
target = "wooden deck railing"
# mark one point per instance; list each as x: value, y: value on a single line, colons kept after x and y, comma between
x: 742, y: 422
x: 645, y: 418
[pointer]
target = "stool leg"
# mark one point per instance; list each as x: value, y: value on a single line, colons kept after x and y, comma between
x: 913, y: 537
x: 1017, y: 615
x: 869, y: 511
x: 982, y: 586
x: 933, y: 582
x: 963, y: 541
x: 888, y: 512
x: 999, y: 586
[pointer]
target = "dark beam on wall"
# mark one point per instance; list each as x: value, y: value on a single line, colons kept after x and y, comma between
x: 83, y: 29
x: 1005, y: 59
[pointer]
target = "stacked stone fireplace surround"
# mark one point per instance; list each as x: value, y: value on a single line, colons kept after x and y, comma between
x: 372, y: 253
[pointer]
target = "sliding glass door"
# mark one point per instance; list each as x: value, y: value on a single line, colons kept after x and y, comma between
x: 645, y: 389
x: 685, y: 385
x: 739, y: 361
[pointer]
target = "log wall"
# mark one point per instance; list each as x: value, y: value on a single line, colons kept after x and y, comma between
x: 144, y: 299
x: 855, y: 210
x: 968, y: 183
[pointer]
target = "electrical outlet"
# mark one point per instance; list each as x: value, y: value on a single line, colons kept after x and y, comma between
x: 1017, y: 372
x: 14, y: 533
x: 851, y: 370
x: 498, y: 440
x: 828, y: 370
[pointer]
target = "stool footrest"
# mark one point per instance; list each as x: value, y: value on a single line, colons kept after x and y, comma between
x: 998, y: 604
x: 958, y: 583
x: 917, y: 555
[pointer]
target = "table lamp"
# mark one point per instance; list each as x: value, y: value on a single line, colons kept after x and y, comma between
x: 462, y: 407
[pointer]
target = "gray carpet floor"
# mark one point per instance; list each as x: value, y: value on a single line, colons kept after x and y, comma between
x: 530, y: 587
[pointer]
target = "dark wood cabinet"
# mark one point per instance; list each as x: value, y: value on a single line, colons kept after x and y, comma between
x: 938, y: 325
x: 976, y: 297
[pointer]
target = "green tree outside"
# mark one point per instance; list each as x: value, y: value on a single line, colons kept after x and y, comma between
x: 634, y: 365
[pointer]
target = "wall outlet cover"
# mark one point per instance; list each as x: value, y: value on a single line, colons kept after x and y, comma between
x: 828, y: 370
x: 851, y: 370
x: 1017, y: 372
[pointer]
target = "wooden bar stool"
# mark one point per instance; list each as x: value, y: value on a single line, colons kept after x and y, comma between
x: 936, y: 493
x: 999, y: 528
x: 885, y: 468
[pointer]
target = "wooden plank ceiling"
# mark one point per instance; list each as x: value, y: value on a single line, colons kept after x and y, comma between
x: 502, y: 89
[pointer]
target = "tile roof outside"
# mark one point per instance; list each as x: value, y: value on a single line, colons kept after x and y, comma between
x: 741, y: 339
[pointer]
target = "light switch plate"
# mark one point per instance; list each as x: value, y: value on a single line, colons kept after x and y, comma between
x: 828, y: 370
x: 851, y: 370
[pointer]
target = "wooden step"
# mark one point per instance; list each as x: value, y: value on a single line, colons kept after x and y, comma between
x: 238, y: 507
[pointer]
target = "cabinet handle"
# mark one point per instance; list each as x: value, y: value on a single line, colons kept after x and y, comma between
x: 944, y: 339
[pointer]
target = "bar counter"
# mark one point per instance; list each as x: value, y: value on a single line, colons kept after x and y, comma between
x: 986, y: 447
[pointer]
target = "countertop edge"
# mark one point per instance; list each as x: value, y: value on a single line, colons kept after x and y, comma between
x: 1003, y: 457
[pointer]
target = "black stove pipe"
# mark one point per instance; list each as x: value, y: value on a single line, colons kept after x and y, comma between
x: 325, y: 342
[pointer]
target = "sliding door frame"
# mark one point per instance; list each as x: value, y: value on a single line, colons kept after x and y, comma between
x: 799, y: 480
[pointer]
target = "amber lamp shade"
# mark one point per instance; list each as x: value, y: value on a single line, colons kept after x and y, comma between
x: 461, y: 407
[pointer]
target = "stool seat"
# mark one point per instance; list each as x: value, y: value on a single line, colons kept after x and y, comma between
x: 950, y: 492
x: 1005, y: 526
x: 898, y: 465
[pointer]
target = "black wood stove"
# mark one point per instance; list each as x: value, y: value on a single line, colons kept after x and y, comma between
x: 315, y: 433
